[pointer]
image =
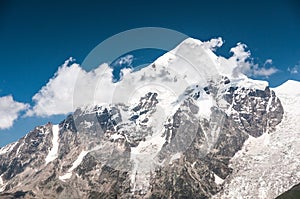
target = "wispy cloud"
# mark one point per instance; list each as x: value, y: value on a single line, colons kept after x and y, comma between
x: 268, y: 61
x: 294, y: 70
x: 266, y: 72
x: 9, y: 111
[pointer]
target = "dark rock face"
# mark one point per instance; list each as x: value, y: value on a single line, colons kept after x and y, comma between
x: 252, y: 107
x: 94, y: 156
x: 17, y: 194
x: 193, y: 175
x: 293, y: 193
x: 27, y: 151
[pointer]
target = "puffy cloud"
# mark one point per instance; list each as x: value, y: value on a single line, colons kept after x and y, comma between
x: 56, y: 96
x: 244, y: 64
x: 71, y: 87
x: 240, y: 52
x: 214, y: 43
x: 9, y: 111
x: 94, y: 87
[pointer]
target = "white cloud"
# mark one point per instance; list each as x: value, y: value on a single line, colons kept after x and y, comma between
x: 72, y: 87
x: 294, y: 70
x: 9, y: 111
x: 268, y: 61
x: 56, y: 96
x: 128, y: 59
x: 240, y: 53
x: 264, y: 71
x: 244, y: 63
x: 214, y: 43
x: 99, y: 84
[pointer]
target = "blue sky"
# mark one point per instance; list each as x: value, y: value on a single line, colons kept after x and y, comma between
x: 36, y: 37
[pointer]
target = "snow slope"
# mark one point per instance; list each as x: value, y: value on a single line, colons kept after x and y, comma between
x: 2, y: 185
x: 75, y: 164
x: 269, y: 165
x: 53, y: 153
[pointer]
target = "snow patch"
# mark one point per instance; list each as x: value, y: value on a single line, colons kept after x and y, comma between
x: 19, y: 148
x: 2, y: 185
x: 174, y: 157
x: 230, y: 109
x: 116, y: 136
x: 53, y: 153
x: 218, y: 180
x: 87, y: 124
x: 205, y: 103
x: 76, y: 163
x: 79, y: 159
x: 269, y: 103
x: 65, y: 176
x: 194, y: 163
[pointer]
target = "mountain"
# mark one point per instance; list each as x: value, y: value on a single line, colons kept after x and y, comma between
x: 269, y: 164
x: 188, y: 128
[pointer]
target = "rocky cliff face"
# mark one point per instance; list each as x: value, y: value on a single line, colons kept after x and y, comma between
x: 119, y: 151
x: 293, y: 193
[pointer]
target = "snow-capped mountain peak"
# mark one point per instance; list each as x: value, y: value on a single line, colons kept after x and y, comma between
x: 195, y: 54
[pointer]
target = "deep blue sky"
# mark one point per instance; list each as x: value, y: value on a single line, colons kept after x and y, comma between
x: 38, y: 36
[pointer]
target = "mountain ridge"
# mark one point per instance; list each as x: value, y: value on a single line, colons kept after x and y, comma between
x: 123, y: 142
x: 178, y: 135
